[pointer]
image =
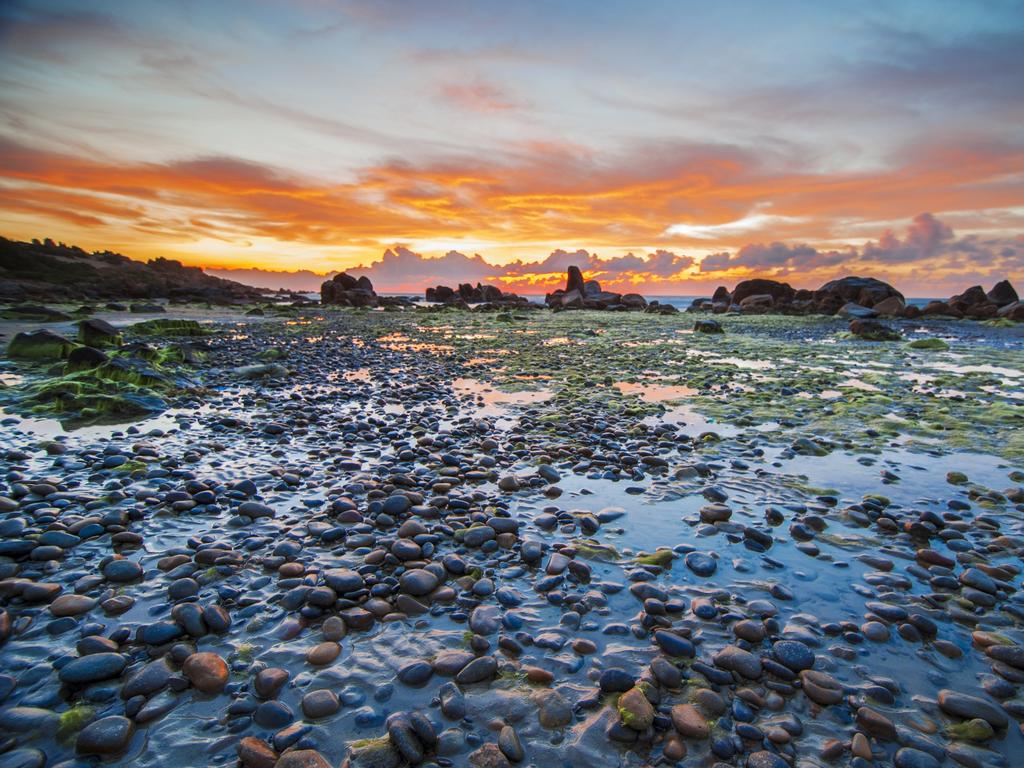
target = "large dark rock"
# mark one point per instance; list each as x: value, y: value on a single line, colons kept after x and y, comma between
x: 975, y: 303
x: 469, y: 294
x: 39, y: 345
x: 574, y: 281
x: 98, y: 333
x: 1003, y: 293
x: 779, y: 292
x: 588, y: 294
x: 721, y: 295
x: 865, y: 291
x: 973, y: 295
x: 873, y: 330
x: 441, y: 294
x: 347, y: 291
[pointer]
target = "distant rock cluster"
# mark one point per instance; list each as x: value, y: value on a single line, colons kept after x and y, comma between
x: 587, y: 294
x: 975, y: 303
x: 347, y: 291
x: 859, y: 298
x: 467, y: 294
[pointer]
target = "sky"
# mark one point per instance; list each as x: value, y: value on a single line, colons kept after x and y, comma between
x: 665, y: 146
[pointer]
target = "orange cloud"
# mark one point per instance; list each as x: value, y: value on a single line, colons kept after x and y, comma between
x: 542, y: 197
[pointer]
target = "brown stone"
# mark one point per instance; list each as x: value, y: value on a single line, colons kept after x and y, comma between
x: 206, y: 671
x: 689, y: 722
x: 255, y: 753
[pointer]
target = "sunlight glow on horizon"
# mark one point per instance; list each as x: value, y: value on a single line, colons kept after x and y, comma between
x: 317, y: 136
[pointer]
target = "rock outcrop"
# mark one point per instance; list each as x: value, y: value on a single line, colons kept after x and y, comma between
x: 348, y: 291
x: 860, y: 298
x: 975, y: 303
x: 54, y: 272
x: 588, y: 294
x: 344, y: 290
x: 466, y: 294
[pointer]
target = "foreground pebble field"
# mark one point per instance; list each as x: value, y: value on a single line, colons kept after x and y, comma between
x: 548, y: 539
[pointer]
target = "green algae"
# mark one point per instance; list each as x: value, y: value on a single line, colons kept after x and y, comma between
x: 170, y: 327
x: 929, y: 343
x: 970, y: 730
x: 73, y: 720
x: 662, y: 558
x: 39, y: 346
x: 593, y: 550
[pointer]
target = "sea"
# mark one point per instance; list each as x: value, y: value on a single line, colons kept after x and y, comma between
x: 680, y: 302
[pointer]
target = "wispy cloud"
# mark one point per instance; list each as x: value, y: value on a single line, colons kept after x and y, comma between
x: 478, y: 97
x: 752, y: 222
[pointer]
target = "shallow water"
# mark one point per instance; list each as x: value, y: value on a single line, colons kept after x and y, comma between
x: 350, y: 412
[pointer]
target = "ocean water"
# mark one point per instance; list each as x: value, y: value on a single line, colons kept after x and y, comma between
x: 680, y: 302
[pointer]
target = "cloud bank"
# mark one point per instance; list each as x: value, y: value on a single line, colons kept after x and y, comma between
x: 927, y: 244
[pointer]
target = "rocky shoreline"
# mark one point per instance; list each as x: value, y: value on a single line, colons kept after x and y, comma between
x: 52, y: 272
x: 860, y: 297
x: 421, y: 538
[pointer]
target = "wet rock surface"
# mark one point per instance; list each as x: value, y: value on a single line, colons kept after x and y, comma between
x: 436, y: 542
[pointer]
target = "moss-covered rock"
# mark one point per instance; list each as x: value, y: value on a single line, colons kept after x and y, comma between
x: 34, y: 312
x: 98, y: 333
x: 872, y: 330
x: 84, y: 359
x: 39, y: 345
x: 930, y: 343
x: 170, y: 327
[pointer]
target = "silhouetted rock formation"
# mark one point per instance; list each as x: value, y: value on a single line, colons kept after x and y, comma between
x: 45, y: 270
x: 343, y: 290
x: 466, y: 294
x: 859, y: 298
x: 975, y: 303
x: 349, y: 291
x: 580, y: 294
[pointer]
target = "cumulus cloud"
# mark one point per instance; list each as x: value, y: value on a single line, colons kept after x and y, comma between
x: 926, y: 237
x: 402, y: 270
x: 662, y: 264
x: 400, y: 266
x: 926, y: 240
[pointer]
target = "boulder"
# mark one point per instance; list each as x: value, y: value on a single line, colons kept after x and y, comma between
x: 707, y: 326
x: 347, y: 291
x: 779, y: 292
x: 35, y: 312
x: 893, y: 306
x: 634, y: 301
x: 85, y: 358
x: 942, y: 308
x: 441, y: 294
x: 98, y: 333
x: 1014, y: 312
x: 757, y: 302
x: 469, y: 294
x: 572, y: 299
x: 574, y: 281
x: 851, y: 311
x: 39, y: 345
x: 1002, y: 294
x: 865, y: 291
x: 872, y: 330
x: 973, y: 295
x: 721, y: 295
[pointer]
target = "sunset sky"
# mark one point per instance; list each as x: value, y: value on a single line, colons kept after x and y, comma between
x: 665, y: 145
